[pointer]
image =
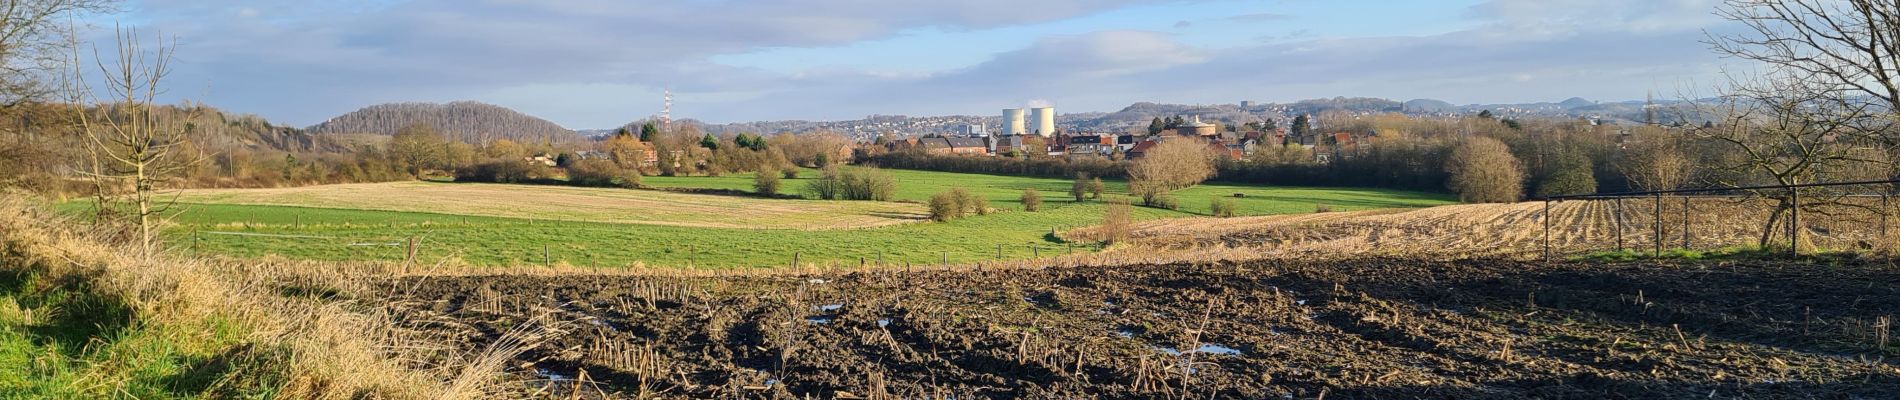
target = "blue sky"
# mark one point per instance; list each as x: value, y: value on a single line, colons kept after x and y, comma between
x: 600, y: 63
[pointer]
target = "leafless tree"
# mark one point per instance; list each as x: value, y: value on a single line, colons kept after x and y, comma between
x: 135, y: 149
x: 1824, y: 108
x: 1848, y: 51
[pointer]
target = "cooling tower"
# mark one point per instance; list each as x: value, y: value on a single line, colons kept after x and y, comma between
x: 1012, y: 122
x: 1045, y: 118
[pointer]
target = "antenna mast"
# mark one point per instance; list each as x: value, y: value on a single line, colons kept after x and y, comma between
x: 666, y: 111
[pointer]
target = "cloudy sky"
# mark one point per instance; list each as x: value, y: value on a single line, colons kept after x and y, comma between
x: 599, y: 63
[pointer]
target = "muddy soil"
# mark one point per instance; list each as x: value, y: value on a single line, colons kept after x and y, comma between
x: 1376, y: 328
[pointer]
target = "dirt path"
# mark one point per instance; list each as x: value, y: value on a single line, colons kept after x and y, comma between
x: 1370, y: 328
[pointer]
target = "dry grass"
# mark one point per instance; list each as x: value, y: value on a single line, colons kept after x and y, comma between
x: 316, y: 326
x: 576, y: 204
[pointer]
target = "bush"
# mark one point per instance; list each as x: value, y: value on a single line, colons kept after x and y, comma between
x: 1116, y: 222
x: 501, y: 171
x: 966, y: 203
x: 790, y: 173
x: 766, y: 183
x: 1322, y: 208
x: 869, y: 184
x: 1080, y: 189
x: 980, y: 205
x: 944, y: 207
x: 1224, y: 208
x: 1096, y: 187
x: 864, y: 184
x: 1164, y: 200
x: 1032, y: 200
x: 600, y: 173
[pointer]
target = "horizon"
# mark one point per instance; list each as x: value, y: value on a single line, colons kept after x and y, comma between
x: 599, y: 65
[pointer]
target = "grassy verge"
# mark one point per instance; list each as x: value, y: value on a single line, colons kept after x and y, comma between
x: 81, y: 318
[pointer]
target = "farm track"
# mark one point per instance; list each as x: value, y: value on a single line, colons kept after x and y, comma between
x: 1359, y: 328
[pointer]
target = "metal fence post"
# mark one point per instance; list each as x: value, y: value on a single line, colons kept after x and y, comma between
x: 1794, y: 221
x: 1546, y: 218
x: 1619, y: 223
x: 1659, y: 225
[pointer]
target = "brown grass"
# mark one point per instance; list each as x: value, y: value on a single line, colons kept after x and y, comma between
x: 324, y: 347
x: 576, y: 204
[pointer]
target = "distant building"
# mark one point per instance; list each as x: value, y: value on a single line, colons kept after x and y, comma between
x: 1197, y: 128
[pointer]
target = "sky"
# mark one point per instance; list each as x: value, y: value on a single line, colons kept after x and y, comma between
x: 588, y: 64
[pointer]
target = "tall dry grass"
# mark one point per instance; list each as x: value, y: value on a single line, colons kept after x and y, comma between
x: 318, y: 327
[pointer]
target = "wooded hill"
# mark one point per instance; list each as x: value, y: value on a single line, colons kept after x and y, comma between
x: 466, y: 121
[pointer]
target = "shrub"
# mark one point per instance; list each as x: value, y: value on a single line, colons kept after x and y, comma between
x: 790, y: 173
x: 869, y: 184
x: 1164, y: 200
x: 766, y: 183
x: 1096, y: 187
x: 1032, y: 200
x: 980, y: 205
x: 862, y: 184
x: 1322, y: 208
x: 600, y: 173
x: 1080, y: 189
x: 1224, y: 208
x: 944, y: 207
x: 966, y: 203
x: 500, y: 171
x: 1116, y: 222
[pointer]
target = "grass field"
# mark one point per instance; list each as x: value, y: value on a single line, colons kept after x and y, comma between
x: 553, y: 224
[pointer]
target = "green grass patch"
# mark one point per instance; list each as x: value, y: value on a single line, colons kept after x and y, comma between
x: 59, y: 338
x: 345, y: 234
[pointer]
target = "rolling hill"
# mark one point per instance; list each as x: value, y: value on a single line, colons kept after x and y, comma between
x: 468, y: 121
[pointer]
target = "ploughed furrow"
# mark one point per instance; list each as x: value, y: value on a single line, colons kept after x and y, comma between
x: 1360, y: 328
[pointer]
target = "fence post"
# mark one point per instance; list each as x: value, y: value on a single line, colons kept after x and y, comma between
x: 1794, y: 221
x: 880, y: 257
x: 1659, y: 225
x: 943, y: 258
x: 794, y: 259
x: 412, y: 251
x: 1546, y: 218
x: 1619, y: 223
x: 999, y: 251
x: 1035, y: 252
x: 545, y: 260
x: 194, y: 241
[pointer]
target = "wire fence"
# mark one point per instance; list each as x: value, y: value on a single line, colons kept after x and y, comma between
x: 1798, y: 219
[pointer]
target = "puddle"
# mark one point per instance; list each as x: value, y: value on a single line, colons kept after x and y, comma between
x: 1125, y: 333
x: 552, y: 376
x: 1300, y: 302
x: 816, y: 281
x: 818, y: 320
x: 1204, y: 349
x: 883, y: 322
x: 829, y: 307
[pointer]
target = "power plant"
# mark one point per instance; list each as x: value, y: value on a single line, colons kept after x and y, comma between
x: 1012, y: 122
x: 1014, y: 125
x: 1045, y: 118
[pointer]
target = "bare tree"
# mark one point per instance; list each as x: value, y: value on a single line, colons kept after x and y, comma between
x: 33, y: 54
x: 1655, y: 160
x: 1174, y: 164
x: 132, y: 144
x: 1781, y: 130
x: 1824, y: 110
x: 1848, y: 51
